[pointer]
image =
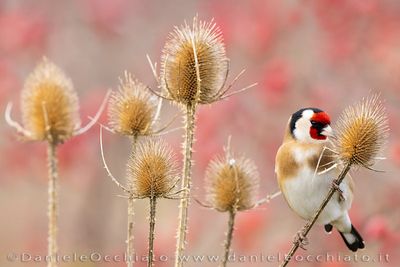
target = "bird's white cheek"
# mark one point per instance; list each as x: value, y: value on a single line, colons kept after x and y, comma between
x: 302, y: 132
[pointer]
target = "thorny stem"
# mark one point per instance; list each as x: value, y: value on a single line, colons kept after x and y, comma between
x: 310, y: 224
x: 153, y: 203
x: 233, y: 210
x: 129, y: 239
x: 229, y: 235
x: 52, y: 205
x: 186, y: 183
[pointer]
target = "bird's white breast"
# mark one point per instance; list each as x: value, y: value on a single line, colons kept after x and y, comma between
x: 306, y: 190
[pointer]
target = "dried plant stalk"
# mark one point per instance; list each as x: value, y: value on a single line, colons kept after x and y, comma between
x: 193, y: 71
x: 229, y: 237
x: 361, y: 132
x: 130, y: 235
x: 52, y: 205
x: 152, y: 224
x: 186, y: 184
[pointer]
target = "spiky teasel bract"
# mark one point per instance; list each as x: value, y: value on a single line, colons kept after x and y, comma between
x: 361, y: 131
x: 132, y: 108
x: 49, y: 104
x: 152, y: 170
x: 194, y: 66
x: 232, y: 184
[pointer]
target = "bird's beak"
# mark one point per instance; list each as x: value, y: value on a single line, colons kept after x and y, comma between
x: 327, y: 131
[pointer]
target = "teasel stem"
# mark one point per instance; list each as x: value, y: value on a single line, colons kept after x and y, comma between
x: 129, y: 238
x: 52, y: 204
x: 229, y: 236
x: 186, y: 183
x: 306, y: 229
x: 131, y: 200
x: 153, y: 203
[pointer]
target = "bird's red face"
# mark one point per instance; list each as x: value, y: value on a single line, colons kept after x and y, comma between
x: 310, y: 125
x: 320, y: 122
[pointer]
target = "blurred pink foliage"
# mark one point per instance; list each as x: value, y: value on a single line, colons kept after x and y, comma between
x: 105, y: 16
x: 249, y: 225
x: 276, y: 82
x: 22, y: 29
x: 8, y: 80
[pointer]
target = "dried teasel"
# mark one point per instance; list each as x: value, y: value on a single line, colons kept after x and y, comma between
x: 49, y: 104
x: 50, y: 107
x: 152, y: 174
x: 50, y: 113
x: 194, y: 66
x: 361, y: 131
x: 232, y: 184
x: 152, y: 170
x: 194, y: 70
x: 132, y: 109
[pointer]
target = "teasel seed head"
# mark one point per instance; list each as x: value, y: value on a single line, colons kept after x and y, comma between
x: 232, y: 184
x: 152, y: 170
x: 194, y: 66
x: 49, y: 104
x: 131, y: 109
x: 361, y: 131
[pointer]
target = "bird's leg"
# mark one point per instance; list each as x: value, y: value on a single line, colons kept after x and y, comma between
x: 340, y: 191
x: 301, y: 239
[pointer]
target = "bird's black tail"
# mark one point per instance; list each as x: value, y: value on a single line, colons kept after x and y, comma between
x: 353, y: 240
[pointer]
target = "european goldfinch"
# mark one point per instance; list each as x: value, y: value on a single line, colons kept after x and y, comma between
x: 305, y: 172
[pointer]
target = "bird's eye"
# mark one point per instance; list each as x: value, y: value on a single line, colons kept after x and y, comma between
x: 317, y: 124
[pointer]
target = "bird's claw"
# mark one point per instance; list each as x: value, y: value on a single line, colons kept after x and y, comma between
x: 301, y: 240
x: 340, y: 191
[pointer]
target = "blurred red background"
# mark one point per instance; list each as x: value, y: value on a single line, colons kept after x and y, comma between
x: 326, y: 54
